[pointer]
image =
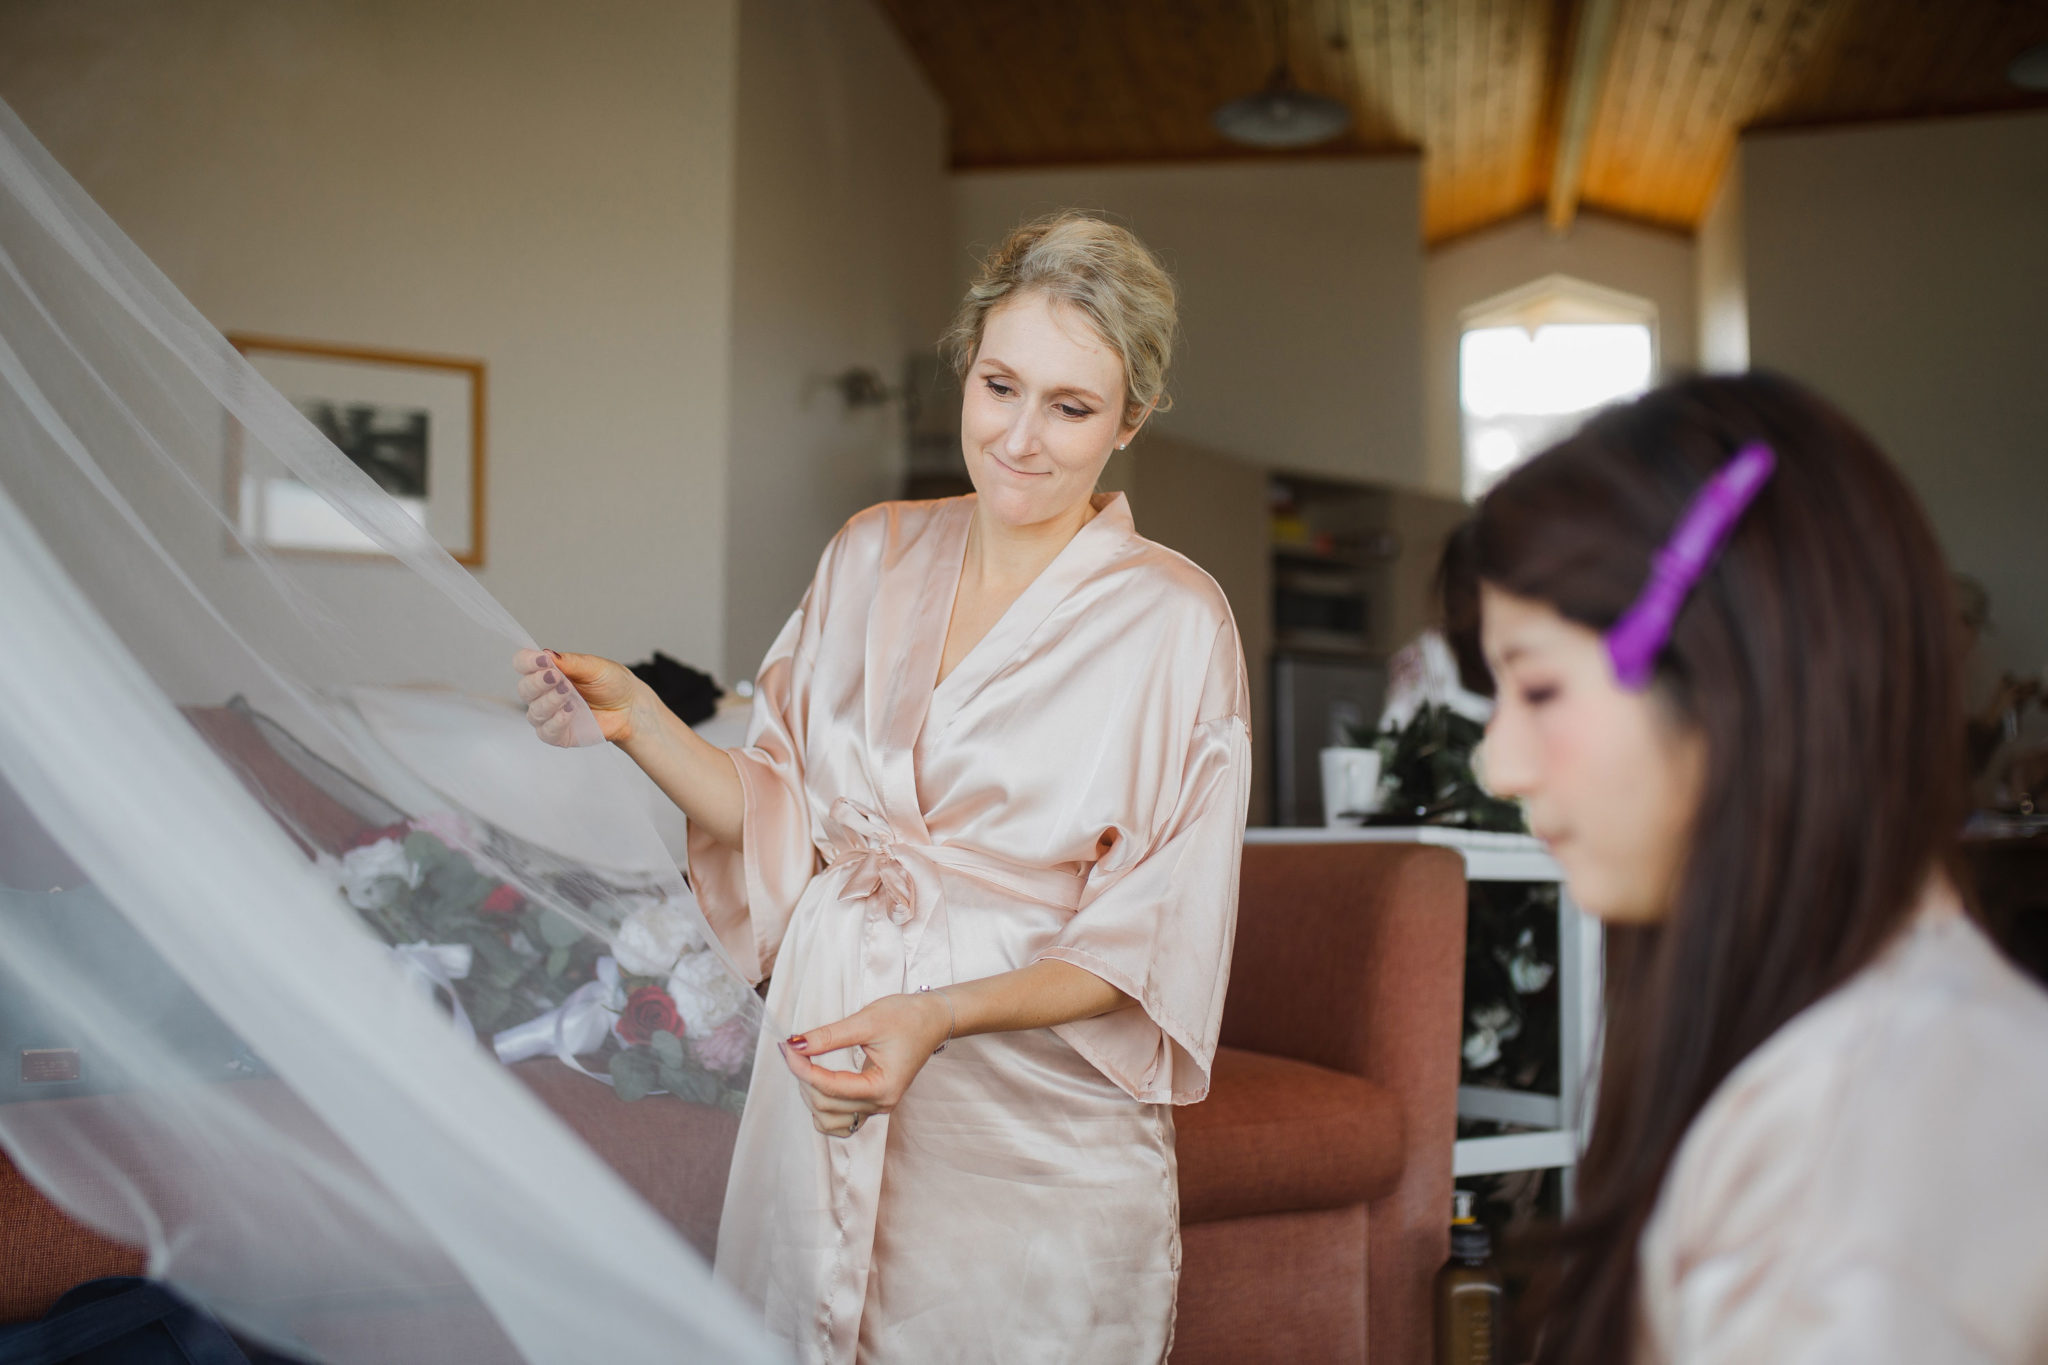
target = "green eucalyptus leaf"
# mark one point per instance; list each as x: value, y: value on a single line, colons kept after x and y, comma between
x: 558, y: 961
x: 487, y: 1005
x: 559, y: 931
x: 634, y: 1073
x: 491, y: 948
x: 632, y: 1086
x: 668, y: 1047
x: 689, y: 1084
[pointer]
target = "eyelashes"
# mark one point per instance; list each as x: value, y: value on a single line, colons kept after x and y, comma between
x: 1067, y: 410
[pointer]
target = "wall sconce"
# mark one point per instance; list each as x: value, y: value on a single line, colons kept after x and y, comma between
x: 862, y: 387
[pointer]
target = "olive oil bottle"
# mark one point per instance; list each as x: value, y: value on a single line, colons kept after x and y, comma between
x: 1469, y: 1298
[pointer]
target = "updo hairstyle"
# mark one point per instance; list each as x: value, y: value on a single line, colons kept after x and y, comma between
x: 1095, y: 267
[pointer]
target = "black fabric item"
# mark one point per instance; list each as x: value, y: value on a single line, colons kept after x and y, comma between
x: 125, y: 1321
x: 692, y: 695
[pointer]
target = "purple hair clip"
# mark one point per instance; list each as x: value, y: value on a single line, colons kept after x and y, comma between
x: 1640, y: 635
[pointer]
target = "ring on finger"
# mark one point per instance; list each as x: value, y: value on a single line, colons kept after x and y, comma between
x: 858, y: 1120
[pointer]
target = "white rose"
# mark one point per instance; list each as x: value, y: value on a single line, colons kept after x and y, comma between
x: 1498, y: 1020
x: 372, y: 875
x: 1482, y: 1049
x: 706, y: 994
x: 652, y: 938
x: 1527, y: 974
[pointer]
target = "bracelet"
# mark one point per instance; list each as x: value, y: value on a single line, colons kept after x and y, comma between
x: 952, y: 1018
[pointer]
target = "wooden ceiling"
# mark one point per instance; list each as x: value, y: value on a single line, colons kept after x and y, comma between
x: 1482, y: 88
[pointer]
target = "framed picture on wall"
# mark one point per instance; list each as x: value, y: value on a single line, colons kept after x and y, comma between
x: 414, y: 423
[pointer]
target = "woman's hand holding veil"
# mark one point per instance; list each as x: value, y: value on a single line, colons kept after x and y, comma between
x: 696, y: 774
x: 548, y: 679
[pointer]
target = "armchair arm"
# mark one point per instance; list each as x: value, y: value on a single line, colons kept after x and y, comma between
x: 1352, y: 956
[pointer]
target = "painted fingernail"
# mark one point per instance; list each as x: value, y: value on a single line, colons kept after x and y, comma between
x: 798, y: 1042
x: 562, y: 687
x: 549, y: 678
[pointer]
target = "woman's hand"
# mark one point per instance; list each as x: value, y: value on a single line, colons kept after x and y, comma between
x: 899, y: 1033
x: 897, y: 1036
x: 548, y: 679
x: 694, y: 773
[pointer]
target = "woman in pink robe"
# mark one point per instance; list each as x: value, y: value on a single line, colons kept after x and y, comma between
x: 991, y: 803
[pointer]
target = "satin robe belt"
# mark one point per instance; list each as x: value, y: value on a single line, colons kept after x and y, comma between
x: 901, y: 879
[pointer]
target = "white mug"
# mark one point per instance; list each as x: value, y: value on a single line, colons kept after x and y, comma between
x: 1351, y: 783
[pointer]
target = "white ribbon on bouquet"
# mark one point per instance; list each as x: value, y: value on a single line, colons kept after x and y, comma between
x: 579, y: 1024
x: 436, y: 967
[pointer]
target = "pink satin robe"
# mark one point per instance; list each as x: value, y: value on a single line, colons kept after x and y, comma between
x: 1074, y: 789
x: 1869, y: 1187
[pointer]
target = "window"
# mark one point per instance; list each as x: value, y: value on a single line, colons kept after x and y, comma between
x: 1535, y: 363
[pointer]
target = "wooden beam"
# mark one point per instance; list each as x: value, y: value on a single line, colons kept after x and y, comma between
x: 1592, y: 44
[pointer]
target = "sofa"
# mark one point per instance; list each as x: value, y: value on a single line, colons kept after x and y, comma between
x: 1315, y: 1178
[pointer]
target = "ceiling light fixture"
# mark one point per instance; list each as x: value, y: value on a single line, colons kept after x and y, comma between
x: 1282, y: 114
x: 2029, y: 70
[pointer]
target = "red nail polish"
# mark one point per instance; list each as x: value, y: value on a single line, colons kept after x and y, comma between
x: 797, y: 1042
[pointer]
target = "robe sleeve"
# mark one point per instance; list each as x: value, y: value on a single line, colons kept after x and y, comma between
x: 1157, y: 921
x: 749, y: 894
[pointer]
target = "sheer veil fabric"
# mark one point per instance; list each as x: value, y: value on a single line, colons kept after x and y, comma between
x: 391, y: 1033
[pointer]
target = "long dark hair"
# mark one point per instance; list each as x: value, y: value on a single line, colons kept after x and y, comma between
x: 1818, y: 660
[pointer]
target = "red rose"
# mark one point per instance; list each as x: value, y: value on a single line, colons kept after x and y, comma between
x: 649, y: 1011
x: 503, y: 900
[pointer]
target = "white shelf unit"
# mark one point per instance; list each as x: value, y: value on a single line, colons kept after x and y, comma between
x: 1558, y: 1119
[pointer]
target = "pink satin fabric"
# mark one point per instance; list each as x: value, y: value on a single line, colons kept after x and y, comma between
x: 1870, y: 1185
x: 1074, y: 789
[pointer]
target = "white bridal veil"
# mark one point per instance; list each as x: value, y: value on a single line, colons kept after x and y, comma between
x: 392, y: 1034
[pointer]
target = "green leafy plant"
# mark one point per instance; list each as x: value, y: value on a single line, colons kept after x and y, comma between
x: 1426, y: 774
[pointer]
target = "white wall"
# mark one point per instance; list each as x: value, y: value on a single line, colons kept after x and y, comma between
x: 1648, y: 262
x: 1723, y: 285
x: 841, y: 257
x: 546, y: 188
x: 1301, y: 293
x: 1900, y: 270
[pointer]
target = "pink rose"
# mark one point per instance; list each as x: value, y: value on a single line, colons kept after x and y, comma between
x: 728, y: 1048
x: 445, y: 825
x: 649, y: 1011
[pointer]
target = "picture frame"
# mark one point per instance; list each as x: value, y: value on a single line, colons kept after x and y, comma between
x: 413, y: 421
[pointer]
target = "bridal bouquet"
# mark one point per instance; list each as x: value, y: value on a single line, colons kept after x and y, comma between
x: 654, y: 1009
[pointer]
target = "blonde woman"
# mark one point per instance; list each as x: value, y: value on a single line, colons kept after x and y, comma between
x: 983, y: 841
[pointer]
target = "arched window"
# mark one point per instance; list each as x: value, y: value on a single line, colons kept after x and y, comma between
x: 1535, y: 362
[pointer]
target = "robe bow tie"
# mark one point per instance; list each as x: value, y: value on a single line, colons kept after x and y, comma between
x: 882, y: 869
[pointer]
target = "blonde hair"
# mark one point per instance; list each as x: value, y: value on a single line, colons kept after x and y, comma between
x: 1096, y: 267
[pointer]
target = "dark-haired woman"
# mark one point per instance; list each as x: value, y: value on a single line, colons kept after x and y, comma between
x: 1722, y: 639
